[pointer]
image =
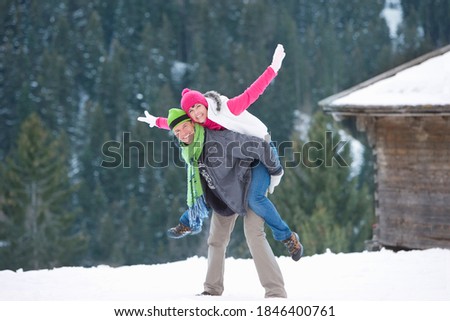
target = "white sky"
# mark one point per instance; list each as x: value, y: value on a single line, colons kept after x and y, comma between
x: 425, y: 84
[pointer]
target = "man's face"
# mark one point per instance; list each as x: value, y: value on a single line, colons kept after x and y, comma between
x: 185, y: 132
x: 198, y: 113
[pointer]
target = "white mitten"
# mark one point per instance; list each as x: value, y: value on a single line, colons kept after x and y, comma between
x: 278, y: 57
x: 149, y: 119
x: 275, y: 181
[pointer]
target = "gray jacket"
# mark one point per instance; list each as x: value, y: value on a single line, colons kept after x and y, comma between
x: 228, y: 157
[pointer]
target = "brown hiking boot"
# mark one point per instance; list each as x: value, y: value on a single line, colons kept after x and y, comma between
x: 179, y: 231
x: 294, y: 246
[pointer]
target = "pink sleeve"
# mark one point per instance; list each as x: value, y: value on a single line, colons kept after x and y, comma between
x: 240, y: 103
x: 161, y: 122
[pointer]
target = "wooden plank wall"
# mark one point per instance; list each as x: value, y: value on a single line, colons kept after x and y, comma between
x: 413, y: 181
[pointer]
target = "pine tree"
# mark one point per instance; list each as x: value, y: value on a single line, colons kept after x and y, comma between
x: 428, y: 22
x: 92, y: 55
x: 39, y: 227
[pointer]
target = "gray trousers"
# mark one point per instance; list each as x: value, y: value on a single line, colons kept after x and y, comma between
x: 269, y: 272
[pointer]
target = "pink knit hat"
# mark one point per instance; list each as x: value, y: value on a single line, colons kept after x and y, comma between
x: 191, y: 97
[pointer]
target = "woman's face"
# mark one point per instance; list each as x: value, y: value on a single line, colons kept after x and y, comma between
x: 198, y: 113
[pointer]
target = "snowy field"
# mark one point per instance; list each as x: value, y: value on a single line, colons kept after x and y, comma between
x: 410, y: 283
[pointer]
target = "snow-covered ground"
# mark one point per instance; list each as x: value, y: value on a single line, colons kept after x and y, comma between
x: 393, y: 15
x: 404, y: 283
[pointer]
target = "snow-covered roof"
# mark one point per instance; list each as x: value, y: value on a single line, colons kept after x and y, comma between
x: 420, y: 86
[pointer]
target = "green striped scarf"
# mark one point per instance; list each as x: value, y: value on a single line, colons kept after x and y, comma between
x: 198, y: 210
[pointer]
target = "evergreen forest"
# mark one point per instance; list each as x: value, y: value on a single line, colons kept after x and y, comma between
x: 83, y: 183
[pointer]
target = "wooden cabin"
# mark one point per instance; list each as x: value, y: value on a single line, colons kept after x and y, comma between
x: 405, y: 113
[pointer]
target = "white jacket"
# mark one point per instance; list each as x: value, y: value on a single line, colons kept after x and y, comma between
x: 244, y: 123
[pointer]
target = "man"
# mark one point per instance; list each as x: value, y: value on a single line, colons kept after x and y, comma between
x: 221, y: 161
